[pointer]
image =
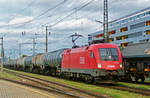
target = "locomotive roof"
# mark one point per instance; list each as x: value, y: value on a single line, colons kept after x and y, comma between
x: 83, y: 48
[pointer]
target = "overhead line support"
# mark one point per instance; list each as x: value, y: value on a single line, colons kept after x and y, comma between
x: 105, y: 25
x: 2, y: 54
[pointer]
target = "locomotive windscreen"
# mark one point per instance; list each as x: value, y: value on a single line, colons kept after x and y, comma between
x: 109, y: 54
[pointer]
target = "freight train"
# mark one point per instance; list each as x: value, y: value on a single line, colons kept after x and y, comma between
x: 136, y: 59
x: 94, y: 62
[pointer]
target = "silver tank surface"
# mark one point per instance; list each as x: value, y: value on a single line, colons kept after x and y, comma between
x: 28, y: 61
x: 20, y: 61
x: 54, y: 58
x: 38, y: 59
x: 9, y: 62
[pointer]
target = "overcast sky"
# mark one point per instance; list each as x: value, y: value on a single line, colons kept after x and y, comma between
x: 64, y: 17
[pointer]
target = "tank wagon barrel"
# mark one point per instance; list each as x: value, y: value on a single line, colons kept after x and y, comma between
x: 53, y: 60
x: 7, y: 63
x: 20, y: 63
x: 38, y: 59
x: 28, y: 63
x: 38, y: 62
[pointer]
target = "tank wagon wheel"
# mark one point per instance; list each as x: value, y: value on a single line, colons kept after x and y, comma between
x: 46, y: 72
x: 53, y: 72
x: 25, y: 69
x: 35, y: 70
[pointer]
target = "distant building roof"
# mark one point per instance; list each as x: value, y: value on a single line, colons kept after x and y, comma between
x: 131, y: 14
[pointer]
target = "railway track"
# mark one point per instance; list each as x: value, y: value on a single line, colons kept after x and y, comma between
x: 134, y: 82
x: 60, y: 88
x: 72, y: 89
x: 126, y: 88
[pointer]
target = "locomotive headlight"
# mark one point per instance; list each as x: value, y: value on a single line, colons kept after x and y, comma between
x: 99, y: 65
x: 120, y: 65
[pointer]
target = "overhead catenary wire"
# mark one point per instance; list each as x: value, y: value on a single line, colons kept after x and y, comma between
x: 63, y: 18
x: 52, y: 14
x: 20, y: 11
x: 36, y: 17
x: 71, y: 13
x: 52, y: 9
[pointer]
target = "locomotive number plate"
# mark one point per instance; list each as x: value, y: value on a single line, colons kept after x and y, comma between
x: 111, y: 66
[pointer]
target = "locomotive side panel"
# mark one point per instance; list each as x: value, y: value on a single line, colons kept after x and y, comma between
x: 77, y: 58
x: 87, y: 60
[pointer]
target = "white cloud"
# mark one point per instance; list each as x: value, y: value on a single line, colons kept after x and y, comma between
x: 2, y: 23
x: 143, y: 1
x: 20, y: 19
x: 84, y: 24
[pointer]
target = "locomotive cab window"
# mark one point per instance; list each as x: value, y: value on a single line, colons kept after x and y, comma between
x: 92, y: 54
x: 108, y: 54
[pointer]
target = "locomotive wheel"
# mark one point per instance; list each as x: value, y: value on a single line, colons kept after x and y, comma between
x: 89, y: 79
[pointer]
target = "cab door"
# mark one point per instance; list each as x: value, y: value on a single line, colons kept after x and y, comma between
x: 92, y: 60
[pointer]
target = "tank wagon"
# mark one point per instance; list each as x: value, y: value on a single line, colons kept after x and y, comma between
x: 38, y: 63
x: 28, y: 64
x: 7, y: 63
x: 53, y: 62
x: 11, y: 63
x: 90, y: 63
x: 20, y: 63
x: 137, y: 61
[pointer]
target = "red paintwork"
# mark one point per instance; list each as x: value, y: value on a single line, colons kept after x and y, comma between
x: 79, y: 58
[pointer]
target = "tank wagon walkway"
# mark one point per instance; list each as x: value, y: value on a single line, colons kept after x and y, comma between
x: 12, y: 90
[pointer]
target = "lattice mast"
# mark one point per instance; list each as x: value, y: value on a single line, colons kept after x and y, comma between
x: 105, y: 24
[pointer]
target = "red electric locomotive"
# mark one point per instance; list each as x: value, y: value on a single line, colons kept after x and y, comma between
x: 94, y: 62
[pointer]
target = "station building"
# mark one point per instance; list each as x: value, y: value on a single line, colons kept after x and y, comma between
x: 130, y: 29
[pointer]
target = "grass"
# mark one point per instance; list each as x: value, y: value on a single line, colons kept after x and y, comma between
x: 106, y: 91
x: 9, y: 76
x: 147, y: 87
x: 147, y: 80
